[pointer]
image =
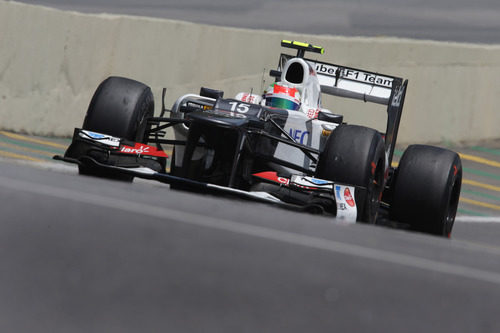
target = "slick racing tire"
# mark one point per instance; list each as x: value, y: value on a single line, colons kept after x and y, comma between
x: 355, y: 155
x: 120, y: 107
x: 427, y: 189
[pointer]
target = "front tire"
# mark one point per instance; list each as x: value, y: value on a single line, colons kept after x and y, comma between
x: 355, y: 155
x: 120, y: 107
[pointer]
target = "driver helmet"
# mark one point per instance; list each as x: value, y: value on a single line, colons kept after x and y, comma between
x: 280, y: 95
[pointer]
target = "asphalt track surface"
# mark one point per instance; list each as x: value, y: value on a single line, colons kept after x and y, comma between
x: 81, y: 254
x: 475, y: 21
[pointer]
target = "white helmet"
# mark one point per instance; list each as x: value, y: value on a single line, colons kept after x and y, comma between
x: 280, y: 95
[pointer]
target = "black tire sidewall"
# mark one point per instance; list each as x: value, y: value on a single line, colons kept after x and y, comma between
x: 119, y: 108
x: 347, y: 158
x: 425, y: 186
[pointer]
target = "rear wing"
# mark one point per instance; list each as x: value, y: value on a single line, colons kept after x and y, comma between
x: 351, y: 82
x: 363, y: 85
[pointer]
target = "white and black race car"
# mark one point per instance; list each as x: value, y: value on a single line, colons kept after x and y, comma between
x: 281, y: 147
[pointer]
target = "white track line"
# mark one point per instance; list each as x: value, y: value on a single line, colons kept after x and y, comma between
x: 477, y: 219
x: 252, y: 230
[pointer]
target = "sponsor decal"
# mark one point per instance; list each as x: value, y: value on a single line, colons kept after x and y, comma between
x: 249, y: 98
x: 302, y: 182
x: 272, y: 176
x: 348, y: 197
x: 95, y: 135
x: 311, y: 183
x: 101, y: 138
x: 142, y: 149
x: 284, y: 90
x: 398, y: 97
x: 317, y: 181
x: 346, y: 206
x: 341, y: 206
x: 337, y: 193
x: 297, y: 181
x: 299, y: 136
x: 353, y: 74
x: 312, y: 113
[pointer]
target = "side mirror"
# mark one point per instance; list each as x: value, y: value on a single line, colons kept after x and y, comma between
x: 330, y: 117
x: 274, y: 73
x: 211, y: 93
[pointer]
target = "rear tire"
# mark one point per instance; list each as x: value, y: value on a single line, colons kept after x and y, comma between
x: 427, y: 189
x: 355, y: 155
x: 120, y: 107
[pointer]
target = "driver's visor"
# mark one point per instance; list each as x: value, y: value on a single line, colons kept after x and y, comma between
x: 282, y: 103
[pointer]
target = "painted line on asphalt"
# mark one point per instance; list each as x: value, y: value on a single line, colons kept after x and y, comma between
x: 479, y: 203
x: 255, y: 231
x: 477, y: 219
x: 481, y: 173
x: 26, y: 149
x: 30, y: 145
x: 19, y: 156
x: 480, y: 194
x: 34, y: 140
x: 481, y: 185
x: 478, y: 159
x: 467, y: 212
x: 486, y: 150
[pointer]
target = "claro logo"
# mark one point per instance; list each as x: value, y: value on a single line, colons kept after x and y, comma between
x: 141, y: 149
x: 138, y: 149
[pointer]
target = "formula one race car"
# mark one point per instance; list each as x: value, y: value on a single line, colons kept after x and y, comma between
x: 281, y: 147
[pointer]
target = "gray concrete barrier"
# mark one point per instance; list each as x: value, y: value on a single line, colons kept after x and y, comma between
x: 51, y: 61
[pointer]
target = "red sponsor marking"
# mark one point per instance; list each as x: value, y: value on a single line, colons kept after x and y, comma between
x: 283, y: 180
x: 348, y: 197
x: 142, y: 149
x: 312, y: 113
x: 285, y: 90
x: 374, y: 166
x: 248, y: 98
x: 272, y: 176
x: 455, y: 170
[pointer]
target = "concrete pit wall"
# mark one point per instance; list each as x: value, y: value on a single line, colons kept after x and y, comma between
x: 51, y: 61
